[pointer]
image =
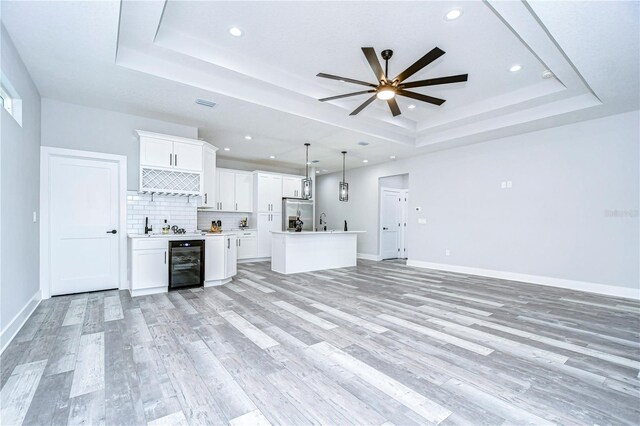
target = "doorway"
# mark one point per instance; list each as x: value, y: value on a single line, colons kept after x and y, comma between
x: 83, y: 224
x: 393, y: 201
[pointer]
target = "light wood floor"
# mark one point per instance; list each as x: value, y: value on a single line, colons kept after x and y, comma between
x: 382, y: 343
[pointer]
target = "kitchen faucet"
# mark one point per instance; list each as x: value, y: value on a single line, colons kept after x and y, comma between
x: 325, y: 220
x: 147, y: 228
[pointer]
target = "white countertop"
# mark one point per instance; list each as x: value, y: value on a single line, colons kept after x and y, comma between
x: 188, y: 236
x: 316, y: 232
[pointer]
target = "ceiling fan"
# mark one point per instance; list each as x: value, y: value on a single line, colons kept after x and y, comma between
x: 387, y: 88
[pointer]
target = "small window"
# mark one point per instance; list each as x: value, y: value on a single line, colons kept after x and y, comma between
x: 11, y: 102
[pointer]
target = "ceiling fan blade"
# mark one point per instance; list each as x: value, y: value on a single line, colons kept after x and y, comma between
x: 393, y: 106
x: 348, y: 80
x: 421, y: 97
x: 364, y: 105
x: 372, y: 58
x: 435, y: 81
x: 434, y: 54
x: 346, y: 95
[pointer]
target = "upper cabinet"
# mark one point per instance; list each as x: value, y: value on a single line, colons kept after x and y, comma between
x: 234, y: 191
x: 292, y: 186
x: 268, y: 192
x: 209, y: 184
x: 170, y: 152
x: 171, y: 164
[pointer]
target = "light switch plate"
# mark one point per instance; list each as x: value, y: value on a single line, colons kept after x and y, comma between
x: 422, y: 221
x: 35, y: 217
x: 503, y: 185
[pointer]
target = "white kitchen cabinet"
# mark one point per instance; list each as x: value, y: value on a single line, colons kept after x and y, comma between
x: 266, y: 223
x: 247, y: 244
x: 157, y: 150
x: 235, y: 191
x: 231, y: 256
x: 220, y: 259
x: 209, y: 181
x: 269, y: 192
x: 226, y: 190
x: 244, y: 192
x: 149, y: 266
x: 292, y: 187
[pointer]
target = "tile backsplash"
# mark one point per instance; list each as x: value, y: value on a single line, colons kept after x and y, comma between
x: 229, y: 219
x: 179, y: 211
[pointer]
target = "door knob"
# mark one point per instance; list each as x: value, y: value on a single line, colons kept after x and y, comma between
x: 113, y: 231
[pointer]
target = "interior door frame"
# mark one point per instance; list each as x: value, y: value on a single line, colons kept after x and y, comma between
x: 46, y: 154
x: 405, y: 220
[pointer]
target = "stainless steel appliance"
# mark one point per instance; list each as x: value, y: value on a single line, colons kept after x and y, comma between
x: 186, y: 263
x: 293, y: 208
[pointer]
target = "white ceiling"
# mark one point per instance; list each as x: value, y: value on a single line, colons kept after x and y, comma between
x: 154, y: 58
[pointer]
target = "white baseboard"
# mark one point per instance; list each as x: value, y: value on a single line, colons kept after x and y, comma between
x: 148, y: 291
x: 605, y: 289
x: 366, y: 256
x: 10, y: 331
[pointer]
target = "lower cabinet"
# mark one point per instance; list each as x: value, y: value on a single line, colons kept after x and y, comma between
x: 220, y: 253
x: 267, y: 222
x: 149, y: 266
x: 247, y: 244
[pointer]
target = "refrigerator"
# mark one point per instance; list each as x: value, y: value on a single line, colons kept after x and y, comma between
x: 292, y: 208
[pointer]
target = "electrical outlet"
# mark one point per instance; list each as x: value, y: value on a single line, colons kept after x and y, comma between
x: 447, y: 252
x: 509, y: 184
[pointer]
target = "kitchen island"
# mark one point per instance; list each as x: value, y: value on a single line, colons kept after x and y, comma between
x: 293, y: 252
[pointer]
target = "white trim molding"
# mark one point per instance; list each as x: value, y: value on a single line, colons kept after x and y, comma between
x: 46, y: 152
x: 605, y: 289
x: 367, y: 256
x: 14, y: 326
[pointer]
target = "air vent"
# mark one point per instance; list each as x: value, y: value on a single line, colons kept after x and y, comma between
x: 363, y: 143
x: 315, y: 161
x: 205, y: 102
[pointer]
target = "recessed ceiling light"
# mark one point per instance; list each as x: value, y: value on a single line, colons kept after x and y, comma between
x: 393, y: 157
x: 235, y: 31
x: 317, y: 171
x: 325, y: 170
x: 412, y: 106
x: 248, y: 137
x: 365, y: 161
x: 453, y: 14
x: 315, y: 161
x: 272, y: 156
x: 515, y: 68
x: 227, y: 149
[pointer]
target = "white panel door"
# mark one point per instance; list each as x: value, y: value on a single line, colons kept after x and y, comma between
x: 209, y: 189
x: 156, y: 152
x: 226, y: 190
x: 187, y: 156
x: 244, y: 192
x: 83, y: 204
x: 390, y: 220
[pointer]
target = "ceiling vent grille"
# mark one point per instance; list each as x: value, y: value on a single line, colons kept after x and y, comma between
x: 205, y: 102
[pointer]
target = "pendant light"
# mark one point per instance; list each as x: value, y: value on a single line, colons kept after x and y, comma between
x: 306, y: 182
x: 344, y: 186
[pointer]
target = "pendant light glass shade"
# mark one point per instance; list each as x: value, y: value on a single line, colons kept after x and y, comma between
x: 343, y: 189
x: 306, y: 182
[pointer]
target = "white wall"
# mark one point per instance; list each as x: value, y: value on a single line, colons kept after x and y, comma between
x: 230, y: 163
x: 572, y: 212
x: 72, y: 126
x: 19, y: 177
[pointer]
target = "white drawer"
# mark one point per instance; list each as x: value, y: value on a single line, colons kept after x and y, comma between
x: 246, y: 234
x: 149, y: 244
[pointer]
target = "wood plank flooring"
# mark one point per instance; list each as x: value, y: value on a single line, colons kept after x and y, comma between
x: 377, y: 344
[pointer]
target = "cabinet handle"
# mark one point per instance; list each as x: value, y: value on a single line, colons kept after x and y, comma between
x: 171, y: 159
x: 239, y: 243
x: 176, y: 155
x: 228, y: 243
x: 236, y: 206
x: 205, y: 198
x: 220, y: 205
x: 165, y: 257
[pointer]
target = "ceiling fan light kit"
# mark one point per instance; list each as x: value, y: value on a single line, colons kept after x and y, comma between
x: 387, y: 89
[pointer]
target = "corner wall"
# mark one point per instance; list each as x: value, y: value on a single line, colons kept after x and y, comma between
x: 572, y: 213
x: 19, y: 182
x: 72, y: 126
